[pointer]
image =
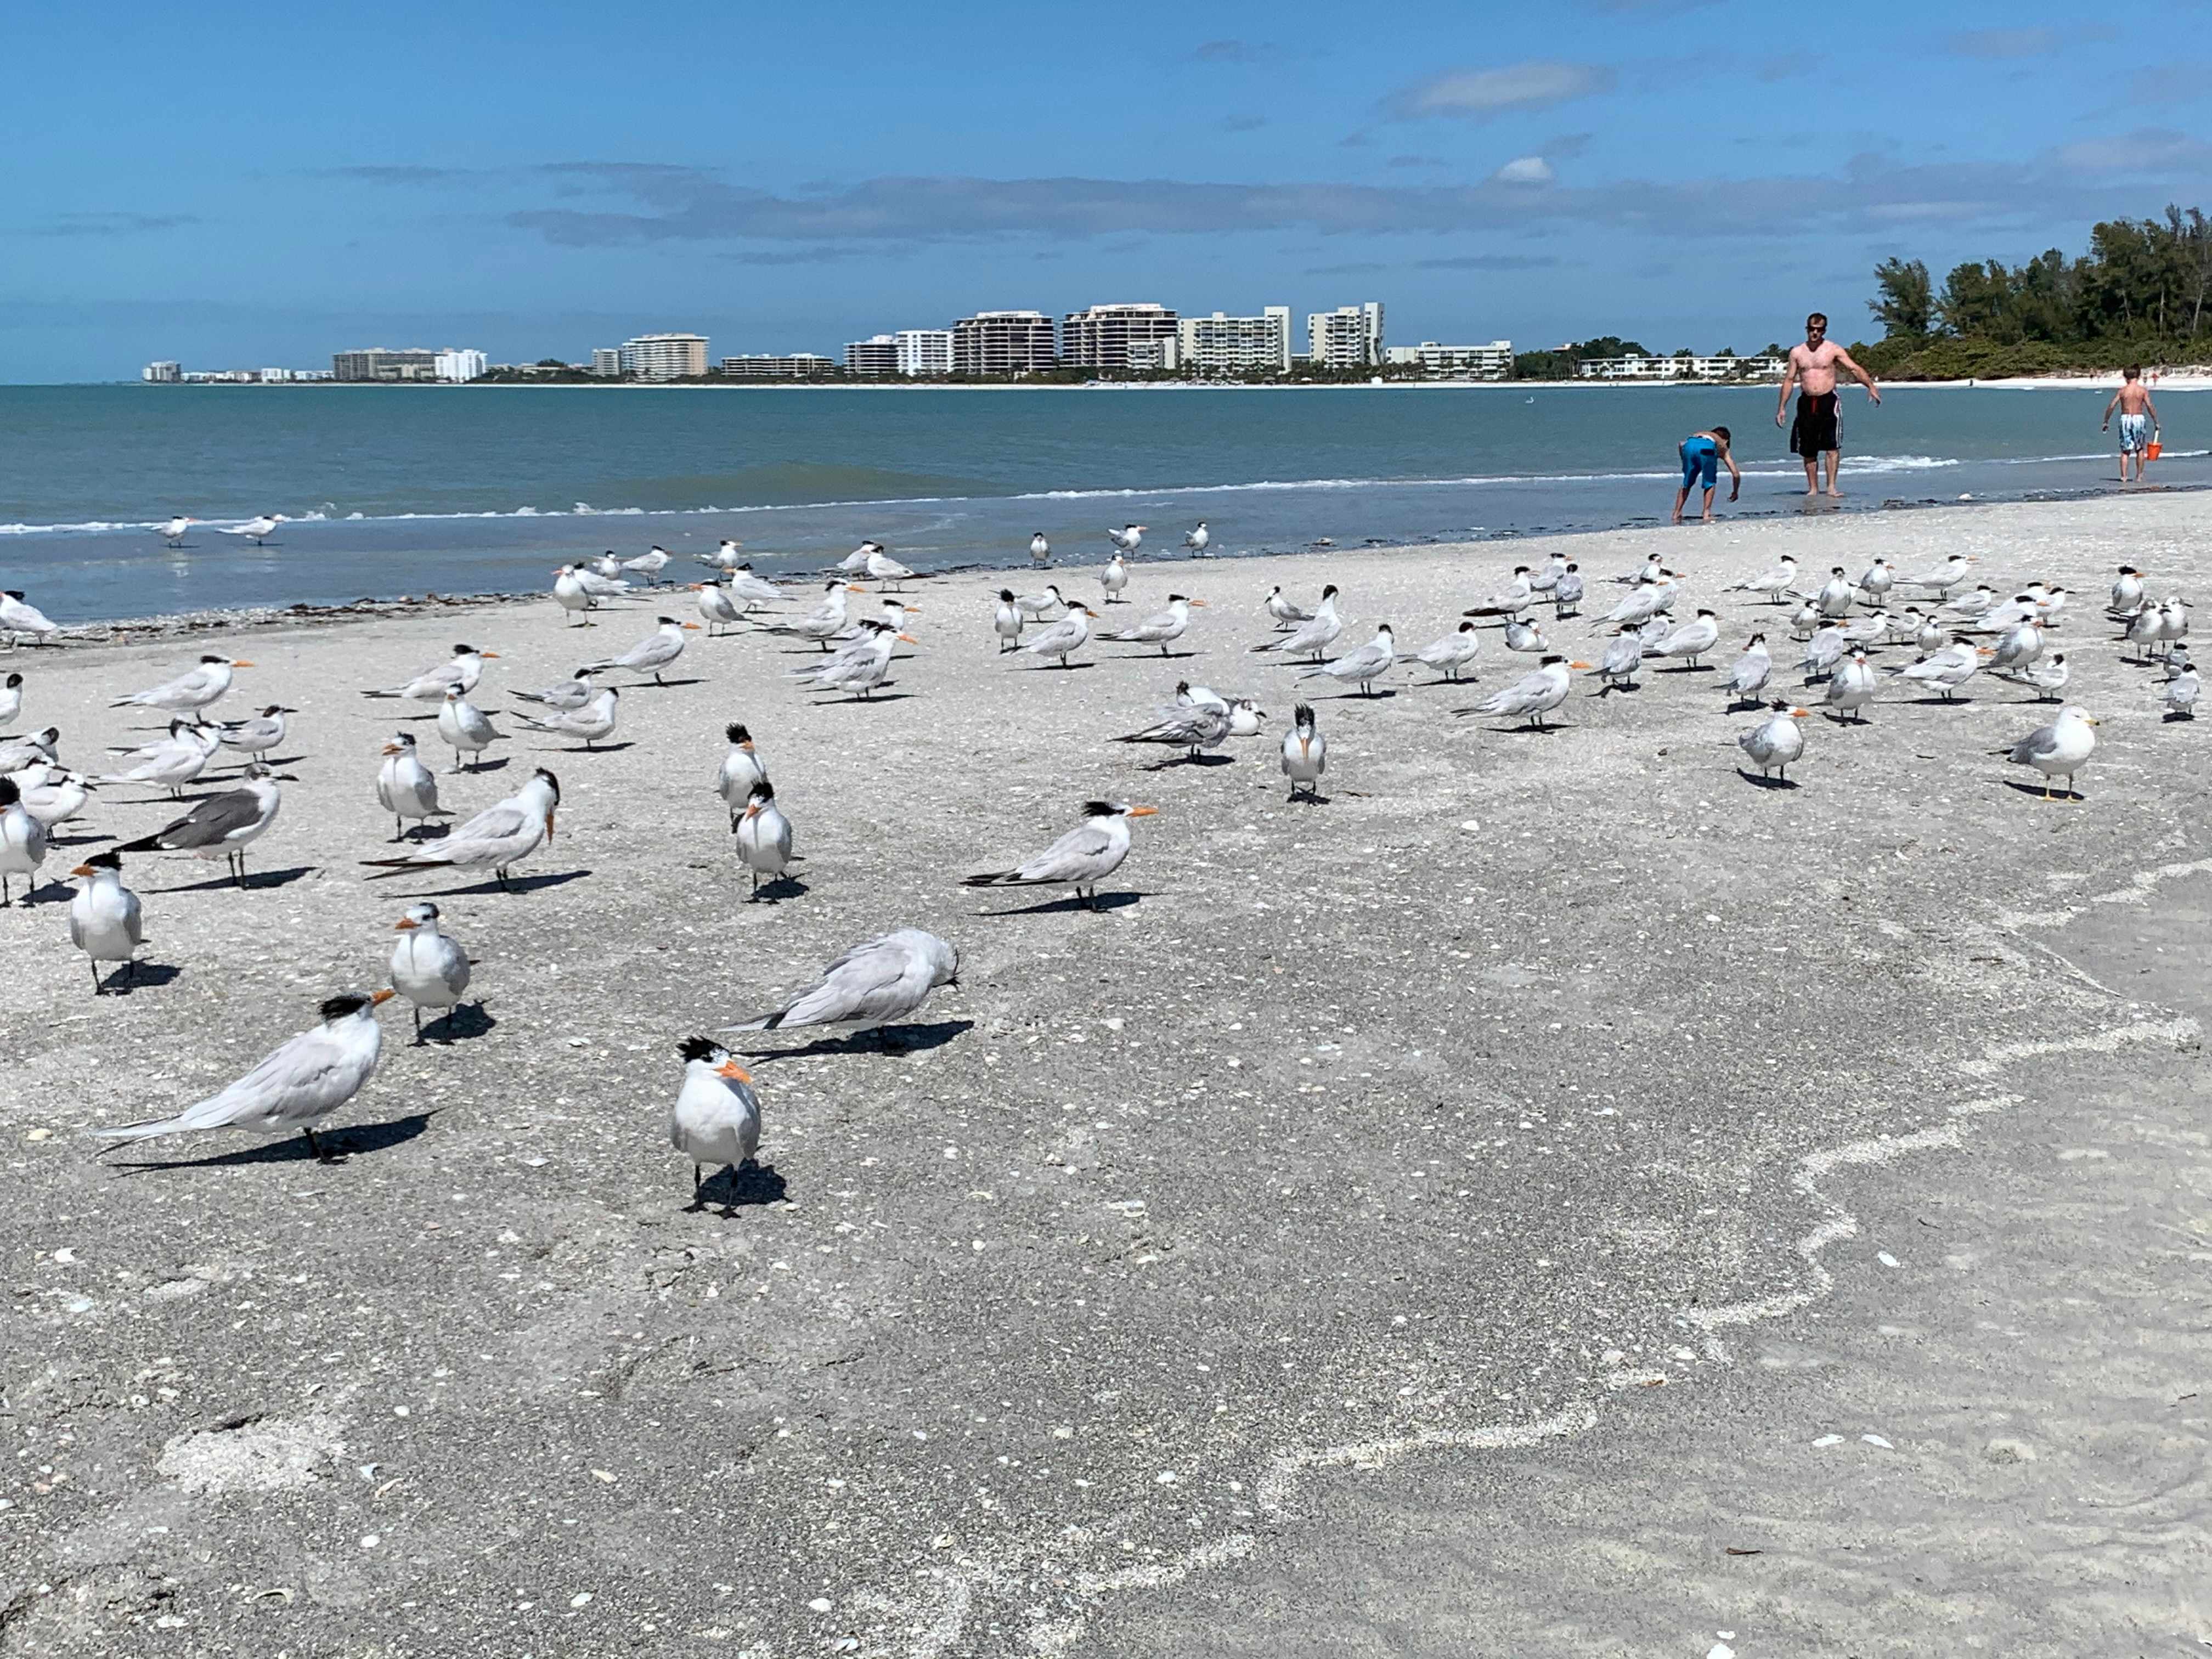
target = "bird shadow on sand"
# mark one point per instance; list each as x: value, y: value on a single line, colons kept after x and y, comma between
x: 2034, y: 791
x: 1072, y: 906
x: 1550, y: 728
x: 1612, y: 688
x: 1062, y: 667
x: 471, y: 771
x: 88, y: 839
x: 1941, y: 703
x: 338, y: 1146
x: 1737, y: 705
x: 253, y: 879
x: 1687, y: 668
x: 887, y: 1040
x: 460, y: 1024
x: 2168, y: 718
x: 1153, y: 656
x: 147, y: 975
x: 518, y: 885
x: 1191, y: 760
x: 1835, y: 718
x: 582, y: 748
x: 661, y: 685
x: 774, y: 892
x: 1760, y: 780
x: 1362, y: 696
x: 880, y: 696
x: 748, y: 1189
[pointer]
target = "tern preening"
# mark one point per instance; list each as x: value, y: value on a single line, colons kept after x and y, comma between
x: 1128, y: 538
x: 1195, y: 540
x: 500, y: 837
x: 1081, y: 859
x: 873, y: 985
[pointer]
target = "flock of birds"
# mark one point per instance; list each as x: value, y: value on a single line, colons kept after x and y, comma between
x: 1956, y: 628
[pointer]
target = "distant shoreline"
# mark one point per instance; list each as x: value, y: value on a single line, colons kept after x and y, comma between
x: 2188, y: 380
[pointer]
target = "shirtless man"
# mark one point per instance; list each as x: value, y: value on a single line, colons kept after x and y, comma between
x: 1817, y: 430
x: 2138, y: 421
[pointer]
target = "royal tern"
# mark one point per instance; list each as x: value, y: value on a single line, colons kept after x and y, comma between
x: 220, y: 826
x: 1567, y: 593
x: 1930, y: 636
x: 1245, y: 716
x: 1062, y: 639
x: 1006, y: 621
x: 1945, y: 576
x: 1837, y: 594
x: 1199, y: 727
x: 1805, y: 621
x: 1645, y: 601
x: 1039, y: 551
x: 1752, y: 672
x: 1544, y: 582
x: 428, y: 966
x: 190, y: 691
x: 1527, y: 637
x: 653, y: 654
x: 1650, y: 571
x: 56, y: 796
x: 1511, y: 601
x: 605, y: 565
x: 1312, y: 637
x: 1452, y: 652
x: 1082, y: 858
x: 856, y: 561
x: 1865, y: 632
x: 1877, y: 580
x: 1113, y: 577
x: 1969, y: 607
x: 500, y: 836
x: 1036, y: 604
x: 1850, y: 688
x: 405, y: 787
x: 591, y: 726
x: 2173, y: 624
x: 169, y: 762
x: 568, y: 592
x: 463, y: 669
x: 1162, y: 628
x: 1195, y: 540
x: 1534, y: 694
x: 882, y: 567
x: 649, y: 564
x: 23, y: 842
x: 465, y: 728
x: 257, y: 736
x: 18, y: 617
x: 599, y: 586
x: 2180, y: 690
x: 297, y: 1086
x: 724, y: 557
x: 715, y: 1119
x: 106, y: 922
x: 2017, y: 646
x: 256, y: 529
x: 1693, y: 640
x: 1361, y: 668
x: 1823, y: 651
x: 826, y: 619
x: 1618, y: 663
x: 2058, y: 750
x: 717, y: 607
x: 572, y: 693
x: 1776, y: 741
x: 172, y: 532
x: 859, y: 668
x: 2048, y: 676
x: 1305, y: 754
x: 764, y: 835
x: 11, y: 700
x: 1946, y: 670
x: 741, y: 768
x: 2127, y: 594
x: 1127, y: 537
x: 750, y: 590
x: 875, y: 984
x: 2145, y: 630
x: 1775, y: 584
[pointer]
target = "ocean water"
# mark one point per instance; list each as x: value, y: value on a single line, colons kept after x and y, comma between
x: 401, y: 490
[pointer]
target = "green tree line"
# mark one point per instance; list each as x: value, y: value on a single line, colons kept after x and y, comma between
x: 2142, y: 293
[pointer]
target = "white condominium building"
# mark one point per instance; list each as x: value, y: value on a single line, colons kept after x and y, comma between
x: 1351, y: 336
x: 1104, y: 337
x: 770, y: 366
x: 664, y: 356
x: 463, y: 364
x: 1222, y: 344
x: 606, y: 361
x: 1493, y: 361
x: 924, y: 351
x: 1002, y: 342
x: 162, y: 374
x: 875, y: 358
x: 1679, y: 368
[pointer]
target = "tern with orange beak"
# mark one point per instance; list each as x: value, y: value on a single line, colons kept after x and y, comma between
x: 1305, y: 754
x: 1081, y: 859
x: 1534, y: 694
x: 657, y: 652
x: 463, y: 669
x: 741, y: 768
x: 763, y: 835
x: 295, y: 1088
x: 826, y: 620
x: 105, y: 922
x: 1063, y: 639
x: 405, y: 787
x: 715, y: 1121
x: 1776, y: 741
x: 592, y: 725
x: 860, y: 667
x: 189, y: 692
x: 1162, y: 628
x: 428, y: 966
x: 499, y: 837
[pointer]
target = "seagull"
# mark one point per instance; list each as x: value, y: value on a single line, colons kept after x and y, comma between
x: 500, y: 836
x: 718, y: 608
x: 715, y: 1119
x: 105, y: 920
x: 1361, y: 667
x: 1065, y: 637
x: 295, y: 1087
x: 1534, y: 694
x: 1039, y: 551
x: 1162, y: 627
x: 1946, y: 670
x: 1286, y: 611
x: 860, y: 667
x: 463, y: 669
x: 741, y: 768
x: 256, y: 529
x: 1126, y: 538
x: 1006, y: 621
x: 1313, y: 637
x: 1305, y: 754
x: 1692, y: 640
x: 764, y: 835
x: 569, y: 593
x: 2048, y: 676
x: 429, y: 968
x: 465, y: 728
x: 18, y: 617
x: 1452, y: 652
x: 877, y: 983
x: 882, y: 567
x: 1197, y: 539
x: 1850, y: 688
x: 1776, y: 741
x: 1113, y: 576
x: 23, y: 842
x: 2058, y: 750
x: 649, y: 564
x: 1775, y: 584
x: 1082, y: 858
x: 826, y: 619
x: 257, y: 736
x: 592, y: 725
x: 220, y: 826
x: 1201, y: 727
x: 657, y: 652
x: 1036, y: 604
x: 1752, y: 672
x: 190, y: 691
x: 405, y: 787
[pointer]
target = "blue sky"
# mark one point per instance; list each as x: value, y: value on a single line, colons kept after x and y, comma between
x: 240, y: 184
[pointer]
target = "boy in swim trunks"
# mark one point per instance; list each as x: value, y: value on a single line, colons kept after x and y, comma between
x: 2138, y: 421
x: 1817, y: 431
x: 1703, y: 454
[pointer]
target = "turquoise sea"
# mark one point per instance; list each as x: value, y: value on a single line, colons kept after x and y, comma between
x: 392, y: 490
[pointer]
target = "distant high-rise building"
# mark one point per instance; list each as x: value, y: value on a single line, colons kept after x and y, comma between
x: 665, y: 356
x: 1002, y: 342
x: 924, y: 351
x: 462, y: 365
x: 606, y: 361
x: 1100, y: 337
x: 383, y: 363
x: 1493, y: 361
x: 1351, y: 336
x: 875, y: 358
x: 162, y: 374
x: 1222, y: 344
x: 798, y: 366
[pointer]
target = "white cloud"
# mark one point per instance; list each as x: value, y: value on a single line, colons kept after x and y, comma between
x: 1475, y: 94
x: 1526, y: 170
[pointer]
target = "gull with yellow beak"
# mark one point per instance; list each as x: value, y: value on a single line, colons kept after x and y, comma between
x: 500, y: 837
x: 716, y: 1119
x: 2058, y: 750
x: 295, y: 1087
x: 1082, y: 858
x: 428, y: 966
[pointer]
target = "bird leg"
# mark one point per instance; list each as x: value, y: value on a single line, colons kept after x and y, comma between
x: 418, y: 1025
x: 321, y: 1156
x: 97, y: 988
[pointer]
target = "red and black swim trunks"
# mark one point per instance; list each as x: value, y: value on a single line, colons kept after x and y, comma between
x: 1818, y: 427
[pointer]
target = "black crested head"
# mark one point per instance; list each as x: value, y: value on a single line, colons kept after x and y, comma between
x: 13, y: 593
x: 1329, y: 593
x: 464, y: 651
x: 1177, y: 598
x: 1780, y: 705
x: 764, y: 791
x: 698, y: 1048
x: 211, y: 657
x: 669, y: 621
x: 1006, y: 596
x: 1101, y: 809
x: 109, y: 860
x: 737, y: 734
x: 339, y: 1006
x: 10, y: 794
x: 1303, y: 715
x: 542, y: 773
x: 1554, y: 656
x: 583, y: 673
x: 1466, y: 628
x: 13, y: 680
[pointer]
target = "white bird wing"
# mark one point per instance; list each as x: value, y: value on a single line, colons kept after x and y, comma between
x: 1077, y: 854
x: 876, y: 981
x: 310, y: 1075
